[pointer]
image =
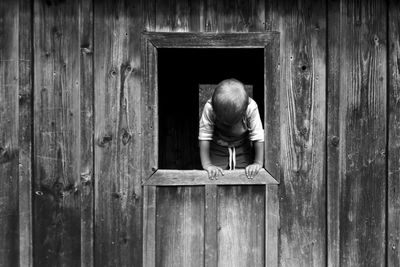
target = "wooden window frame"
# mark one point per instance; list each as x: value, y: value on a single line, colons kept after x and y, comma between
x: 153, y: 177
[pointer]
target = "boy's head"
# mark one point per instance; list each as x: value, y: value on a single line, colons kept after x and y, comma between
x: 230, y: 101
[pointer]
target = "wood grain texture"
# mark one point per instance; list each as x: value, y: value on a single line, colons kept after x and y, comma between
x: 210, y: 40
x: 210, y: 226
x: 359, y: 132
x: 302, y: 25
x: 57, y: 234
x: 149, y: 226
x: 118, y: 133
x: 9, y: 70
x: 272, y: 112
x: 272, y: 221
x: 333, y: 105
x: 200, y: 177
x: 180, y: 226
x: 86, y: 132
x: 241, y: 226
x: 234, y: 16
x: 25, y: 138
x: 393, y: 216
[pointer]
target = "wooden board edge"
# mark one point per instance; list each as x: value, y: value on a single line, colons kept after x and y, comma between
x: 272, y: 225
x: 149, y: 226
x: 200, y: 177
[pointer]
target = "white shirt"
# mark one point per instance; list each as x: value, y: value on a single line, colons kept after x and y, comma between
x: 253, y: 122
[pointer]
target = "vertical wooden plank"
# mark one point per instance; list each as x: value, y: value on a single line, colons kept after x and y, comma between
x: 272, y: 115
x: 118, y: 133
x: 393, y: 250
x: 302, y: 25
x: 172, y: 15
x: 149, y: 15
x: 234, y: 16
x: 149, y: 226
x: 333, y: 132
x: 361, y: 140
x: 180, y: 226
x: 9, y: 38
x: 149, y: 192
x: 87, y: 130
x: 210, y: 226
x: 57, y: 234
x: 25, y: 94
x: 241, y: 226
x: 271, y: 225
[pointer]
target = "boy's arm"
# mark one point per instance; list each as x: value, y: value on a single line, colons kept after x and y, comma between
x: 213, y: 171
x: 205, y: 153
x: 253, y: 169
x: 259, y: 153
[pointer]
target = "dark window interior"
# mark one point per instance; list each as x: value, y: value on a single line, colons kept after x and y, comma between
x: 180, y: 72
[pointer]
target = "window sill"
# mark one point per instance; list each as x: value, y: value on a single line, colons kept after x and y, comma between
x: 200, y: 177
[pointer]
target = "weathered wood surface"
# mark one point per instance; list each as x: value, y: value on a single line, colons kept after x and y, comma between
x: 200, y: 177
x: 180, y: 226
x: 86, y: 132
x: 355, y: 199
x: 272, y: 112
x: 393, y: 76
x: 360, y: 134
x: 209, y: 40
x: 234, y: 16
x: 272, y: 225
x: 241, y: 225
x: 303, y: 76
x: 333, y: 132
x: 57, y: 198
x: 210, y: 226
x: 25, y: 95
x: 9, y: 69
x: 149, y: 226
x: 118, y: 133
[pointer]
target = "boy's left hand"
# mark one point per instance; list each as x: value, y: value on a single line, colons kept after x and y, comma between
x: 252, y: 170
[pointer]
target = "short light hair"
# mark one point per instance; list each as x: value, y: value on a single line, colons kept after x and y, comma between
x: 230, y: 101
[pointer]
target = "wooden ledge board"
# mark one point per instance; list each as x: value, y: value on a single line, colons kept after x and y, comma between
x: 211, y: 40
x: 200, y: 177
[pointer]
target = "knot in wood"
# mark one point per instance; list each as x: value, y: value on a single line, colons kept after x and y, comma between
x: 39, y: 193
x: 335, y: 141
x: 116, y: 195
x: 23, y: 98
x: 6, y: 155
x: 113, y: 72
x: 126, y: 136
x: 376, y: 40
x: 104, y: 140
x: 86, y: 178
x: 303, y: 131
x: 86, y: 50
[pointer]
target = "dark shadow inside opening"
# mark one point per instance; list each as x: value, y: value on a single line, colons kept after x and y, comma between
x: 180, y: 72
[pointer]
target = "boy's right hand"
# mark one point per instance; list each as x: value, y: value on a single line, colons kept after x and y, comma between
x: 213, y: 172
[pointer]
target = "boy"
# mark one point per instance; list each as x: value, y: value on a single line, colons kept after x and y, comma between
x: 229, y: 123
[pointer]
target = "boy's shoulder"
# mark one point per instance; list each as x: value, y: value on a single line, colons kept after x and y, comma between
x: 252, y: 105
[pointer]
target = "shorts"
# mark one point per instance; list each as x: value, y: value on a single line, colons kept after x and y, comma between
x: 219, y: 155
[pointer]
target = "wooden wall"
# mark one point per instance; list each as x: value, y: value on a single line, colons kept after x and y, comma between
x: 72, y: 133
